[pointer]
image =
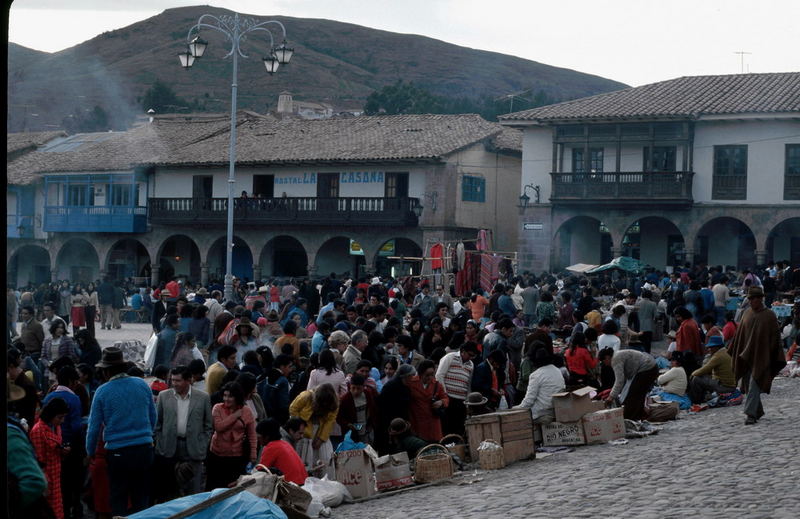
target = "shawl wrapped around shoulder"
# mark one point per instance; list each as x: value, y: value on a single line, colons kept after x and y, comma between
x: 756, y: 348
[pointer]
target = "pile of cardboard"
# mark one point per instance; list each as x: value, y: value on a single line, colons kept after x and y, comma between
x: 581, y: 420
x: 365, y: 474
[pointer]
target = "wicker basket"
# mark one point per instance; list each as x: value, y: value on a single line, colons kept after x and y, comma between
x: 460, y: 447
x: 492, y: 459
x: 434, y: 466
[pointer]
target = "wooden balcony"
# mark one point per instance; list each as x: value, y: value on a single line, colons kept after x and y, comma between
x: 95, y: 218
x: 285, y: 211
x: 636, y: 187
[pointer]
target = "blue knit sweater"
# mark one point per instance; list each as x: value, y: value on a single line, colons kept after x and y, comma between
x: 125, y: 407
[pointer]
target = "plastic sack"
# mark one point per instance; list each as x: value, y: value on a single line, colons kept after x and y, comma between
x: 488, y: 446
x: 150, y: 353
x: 329, y: 493
x: 243, y: 505
x: 349, y: 445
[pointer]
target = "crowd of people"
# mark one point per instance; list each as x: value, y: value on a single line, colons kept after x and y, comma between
x: 279, y: 374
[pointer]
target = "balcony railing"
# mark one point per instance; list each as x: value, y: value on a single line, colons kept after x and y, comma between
x: 638, y: 186
x: 291, y: 211
x: 791, y: 187
x: 729, y: 187
x: 95, y: 218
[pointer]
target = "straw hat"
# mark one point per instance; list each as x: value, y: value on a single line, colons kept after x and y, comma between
x: 202, y: 291
x: 263, y: 289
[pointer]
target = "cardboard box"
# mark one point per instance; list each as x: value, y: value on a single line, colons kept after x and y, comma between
x: 570, y: 406
x: 556, y: 433
x: 604, y: 426
x: 354, y: 469
x: 393, y: 471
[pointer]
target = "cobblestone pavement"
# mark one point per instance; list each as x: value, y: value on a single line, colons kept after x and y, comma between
x: 706, y: 465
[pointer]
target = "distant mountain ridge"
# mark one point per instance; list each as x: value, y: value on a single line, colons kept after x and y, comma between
x: 334, y: 62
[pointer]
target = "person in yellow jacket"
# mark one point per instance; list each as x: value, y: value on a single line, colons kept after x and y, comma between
x: 318, y: 407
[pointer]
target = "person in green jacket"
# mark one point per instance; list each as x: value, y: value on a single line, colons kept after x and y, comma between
x: 27, y: 484
x: 401, y: 438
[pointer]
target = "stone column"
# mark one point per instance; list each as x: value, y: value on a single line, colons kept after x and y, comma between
x: 761, y: 257
x: 256, y: 272
x: 54, y: 275
x: 204, y: 274
x: 688, y: 256
x: 155, y: 272
x: 312, y: 271
x: 103, y: 274
x: 616, y: 252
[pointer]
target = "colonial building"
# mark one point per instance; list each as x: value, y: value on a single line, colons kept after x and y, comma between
x: 333, y: 195
x: 698, y: 169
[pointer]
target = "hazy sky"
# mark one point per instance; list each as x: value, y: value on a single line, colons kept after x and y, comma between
x: 633, y: 41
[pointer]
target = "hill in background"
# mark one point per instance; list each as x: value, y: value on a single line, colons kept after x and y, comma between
x: 334, y: 62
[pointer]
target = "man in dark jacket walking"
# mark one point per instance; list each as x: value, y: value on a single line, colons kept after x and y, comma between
x: 105, y: 298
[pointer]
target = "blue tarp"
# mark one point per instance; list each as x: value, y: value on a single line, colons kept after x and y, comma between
x: 243, y: 505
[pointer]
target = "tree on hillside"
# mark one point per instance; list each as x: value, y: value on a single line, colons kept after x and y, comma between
x: 94, y: 120
x: 402, y: 98
x: 407, y: 98
x: 163, y: 99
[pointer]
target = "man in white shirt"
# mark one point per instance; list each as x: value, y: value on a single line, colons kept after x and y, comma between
x: 544, y: 382
x: 50, y: 317
x: 721, y: 297
x: 183, y: 432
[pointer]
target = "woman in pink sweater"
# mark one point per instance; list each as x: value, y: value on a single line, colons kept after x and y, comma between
x: 233, y: 443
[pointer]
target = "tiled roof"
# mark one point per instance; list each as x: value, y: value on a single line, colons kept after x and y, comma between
x: 20, y: 141
x: 112, y: 151
x: 685, y: 97
x: 264, y: 140
x: 508, y: 140
x: 376, y: 138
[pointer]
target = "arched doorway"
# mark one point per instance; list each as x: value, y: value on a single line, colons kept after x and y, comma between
x: 128, y: 258
x: 384, y: 266
x: 725, y: 241
x: 283, y: 256
x: 179, y: 257
x: 242, y: 266
x: 655, y: 241
x: 29, y: 265
x: 783, y: 243
x: 340, y: 255
x: 77, y: 261
x: 582, y: 239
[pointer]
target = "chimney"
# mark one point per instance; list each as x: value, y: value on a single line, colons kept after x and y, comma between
x: 285, y: 103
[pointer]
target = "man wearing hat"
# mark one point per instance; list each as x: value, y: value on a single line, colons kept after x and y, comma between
x: 401, y: 439
x: 124, y: 411
x: 715, y: 375
x: 756, y: 353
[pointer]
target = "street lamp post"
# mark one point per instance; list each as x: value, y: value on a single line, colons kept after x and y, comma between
x: 235, y: 30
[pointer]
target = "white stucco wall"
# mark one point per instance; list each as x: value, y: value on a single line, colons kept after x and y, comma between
x: 537, y: 159
x: 766, y: 143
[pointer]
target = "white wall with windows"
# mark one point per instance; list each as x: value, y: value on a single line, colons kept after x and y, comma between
x: 766, y: 157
